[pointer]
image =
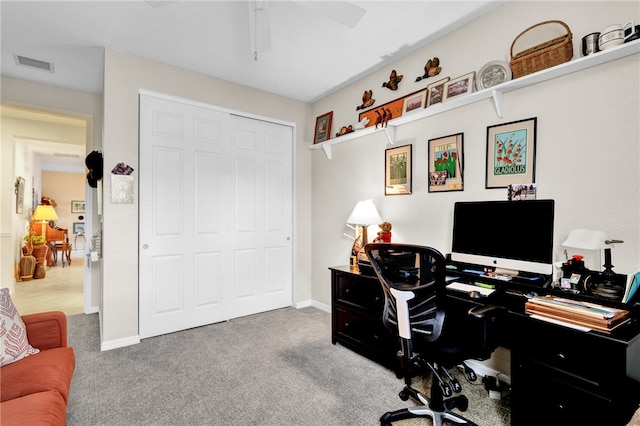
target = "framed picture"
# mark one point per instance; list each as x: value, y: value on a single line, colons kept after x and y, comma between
x: 397, y: 171
x: 415, y: 101
x: 511, y: 153
x: 77, y: 206
x: 446, y: 164
x: 78, y: 228
x: 375, y: 115
x: 323, y: 127
x: 435, y: 92
x: 459, y: 86
x: 19, y: 190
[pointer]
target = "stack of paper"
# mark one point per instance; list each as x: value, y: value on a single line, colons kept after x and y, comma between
x: 585, y: 314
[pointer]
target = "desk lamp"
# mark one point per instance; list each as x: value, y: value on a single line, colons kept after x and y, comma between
x: 363, y: 215
x: 44, y: 213
x: 588, y: 239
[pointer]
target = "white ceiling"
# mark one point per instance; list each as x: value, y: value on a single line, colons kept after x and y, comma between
x: 311, y: 54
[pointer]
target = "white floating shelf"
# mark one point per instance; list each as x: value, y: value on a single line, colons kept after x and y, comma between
x: 495, y: 93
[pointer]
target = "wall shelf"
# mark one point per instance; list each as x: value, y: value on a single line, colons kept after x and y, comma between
x: 495, y: 93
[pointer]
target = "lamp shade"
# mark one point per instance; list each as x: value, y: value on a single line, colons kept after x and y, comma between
x: 364, y: 214
x: 44, y: 213
x: 586, y: 239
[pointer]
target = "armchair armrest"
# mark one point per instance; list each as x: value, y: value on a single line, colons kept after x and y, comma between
x: 46, y: 330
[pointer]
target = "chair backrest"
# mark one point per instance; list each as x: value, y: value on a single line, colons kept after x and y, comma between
x: 413, y: 281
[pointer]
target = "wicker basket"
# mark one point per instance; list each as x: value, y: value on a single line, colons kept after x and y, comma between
x: 542, y: 56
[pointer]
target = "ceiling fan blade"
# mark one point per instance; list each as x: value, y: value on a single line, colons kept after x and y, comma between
x: 259, y: 26
x: 344, y: 12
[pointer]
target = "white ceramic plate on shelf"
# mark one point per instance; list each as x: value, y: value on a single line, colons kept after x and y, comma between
x: 492, y: 73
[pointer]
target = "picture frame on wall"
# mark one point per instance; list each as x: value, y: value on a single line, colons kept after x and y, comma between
x: 323, y: 127
x: 77, y: 206
x: 459, y: 86
x: 78, y: 228
x: 414, y: 101
x: 398, y: 170
x: 511, y: 153
x: 435, y: 91
x: 19, y: 190
x: 446, y: 163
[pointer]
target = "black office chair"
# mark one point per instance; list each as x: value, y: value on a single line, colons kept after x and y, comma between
x: 432, y: 338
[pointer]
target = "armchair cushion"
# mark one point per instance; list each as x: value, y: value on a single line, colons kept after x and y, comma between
x: 14, y: 344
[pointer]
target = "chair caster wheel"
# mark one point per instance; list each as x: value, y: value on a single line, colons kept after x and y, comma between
x: 404, y: 395
x: 462, y: 403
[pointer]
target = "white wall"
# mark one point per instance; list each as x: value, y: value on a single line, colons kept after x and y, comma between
x: 587, y: 141
x: 124, y: 77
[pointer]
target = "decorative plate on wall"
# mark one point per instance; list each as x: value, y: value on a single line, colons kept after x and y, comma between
x: 492, y: 74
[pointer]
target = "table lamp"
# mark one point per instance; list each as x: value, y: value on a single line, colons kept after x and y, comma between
x: 44, y: 213
x: 588, y: 239
x: 363, y: 215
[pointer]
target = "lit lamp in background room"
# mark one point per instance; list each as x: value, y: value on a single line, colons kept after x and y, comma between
x: 364, y: 214
x: 605, y: 284
x: 43, y: 214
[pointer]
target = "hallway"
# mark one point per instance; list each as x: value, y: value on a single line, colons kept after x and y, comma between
x: 61, y: 290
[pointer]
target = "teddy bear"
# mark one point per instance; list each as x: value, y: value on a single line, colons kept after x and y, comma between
x: 384, y: 235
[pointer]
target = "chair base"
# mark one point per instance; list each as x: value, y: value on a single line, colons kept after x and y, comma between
x: 438, y: 416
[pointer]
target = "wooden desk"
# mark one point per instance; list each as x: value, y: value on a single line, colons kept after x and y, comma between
x: 559, y: 375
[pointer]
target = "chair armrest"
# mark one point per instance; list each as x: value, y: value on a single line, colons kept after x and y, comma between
x: 486, y: 311
x: 46, y: 330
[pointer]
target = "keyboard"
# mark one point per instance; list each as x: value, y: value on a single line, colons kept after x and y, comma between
x: 470, y: 287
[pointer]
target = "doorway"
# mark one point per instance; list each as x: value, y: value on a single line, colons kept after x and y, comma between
x: 49, y: 144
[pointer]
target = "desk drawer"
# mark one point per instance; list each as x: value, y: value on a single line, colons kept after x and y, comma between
x: 364, y: 330
x: 587, y: 358
x: 362, y: 293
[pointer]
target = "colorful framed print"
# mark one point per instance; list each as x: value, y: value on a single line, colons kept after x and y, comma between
x: 77, y: 206
x: 446, y: 166
x: 511, y: 153
x: 414, y: 101
x: 397, y: 172
x: 435, y: 92
x: 459, y: 86
x: 323, y: 128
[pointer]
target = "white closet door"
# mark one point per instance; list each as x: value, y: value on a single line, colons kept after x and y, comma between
x: 201, y: 185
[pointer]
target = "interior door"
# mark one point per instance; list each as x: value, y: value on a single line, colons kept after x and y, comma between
x: 210, y: 247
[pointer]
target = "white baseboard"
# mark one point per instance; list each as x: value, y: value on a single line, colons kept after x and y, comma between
x: 119, y: 343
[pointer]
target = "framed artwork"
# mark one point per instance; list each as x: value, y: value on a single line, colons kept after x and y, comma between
x: 415, y: 101
x: 77, y: 206
x: 78, y: 228
x: 19, y: 190
x: 323, y: 128
x: 374, y: 115
x: 435, y: 92
x: 397, y: 171
x: 446, y: 164
x: 511, y: 153
x: 459, y: 86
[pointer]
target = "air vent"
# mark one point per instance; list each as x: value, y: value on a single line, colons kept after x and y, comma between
x: 33, y: 63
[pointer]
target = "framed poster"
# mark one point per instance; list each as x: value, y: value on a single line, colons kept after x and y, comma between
x: 459, y: 86
x: 511, y: 153
x: 397, y: 171
x: 414, y: 101
x: 435, y: 92
x: 77, y: 206
x: 323, y: 128
x: 446, y: 163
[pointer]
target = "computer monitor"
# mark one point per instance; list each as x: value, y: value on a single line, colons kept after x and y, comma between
x: 515, y: 235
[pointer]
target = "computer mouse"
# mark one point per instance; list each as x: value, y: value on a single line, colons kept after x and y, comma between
x: 475, y: 294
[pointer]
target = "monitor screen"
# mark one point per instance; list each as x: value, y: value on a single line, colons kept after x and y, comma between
x: 516, y: 235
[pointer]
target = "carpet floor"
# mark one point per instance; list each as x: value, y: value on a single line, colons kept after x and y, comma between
x: 274, y: 368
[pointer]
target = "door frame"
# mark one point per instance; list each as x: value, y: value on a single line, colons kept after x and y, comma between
x: 294, y: 186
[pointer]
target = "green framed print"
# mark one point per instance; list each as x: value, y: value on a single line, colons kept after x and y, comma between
x: 397, y: 175
x: 323, y: 128
x: 511, y: 153
x: 446, y: 165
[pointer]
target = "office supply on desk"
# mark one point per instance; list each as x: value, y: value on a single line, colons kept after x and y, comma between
x: 428, y: 342
x: 467, y: 288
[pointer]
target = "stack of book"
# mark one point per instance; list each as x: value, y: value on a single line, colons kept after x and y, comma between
x: 585, y: 314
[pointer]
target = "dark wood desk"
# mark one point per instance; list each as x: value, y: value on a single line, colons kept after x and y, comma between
x: 559, y: 375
